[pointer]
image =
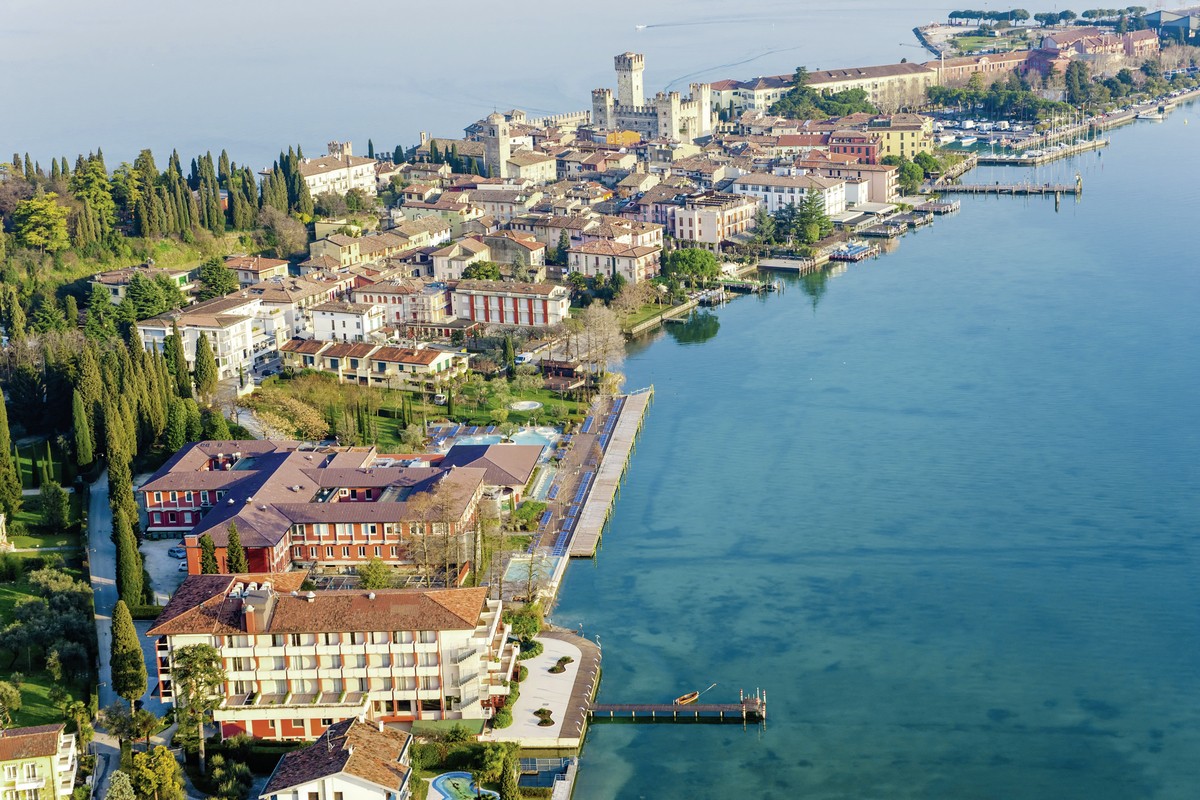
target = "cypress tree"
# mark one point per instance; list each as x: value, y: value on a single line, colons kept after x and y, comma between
x: 206, y: 367
x: 177, y: 363
x: 10, y: 482
x: 510, y: 788
x: 216, y: 427
x: 129, y: 561
x: 128, y: 666
x: 63, y: 169
x: 235, y: 554
x: 85, y: 449
x: 370, y: 149
x: 176, y: 431
x: 208, y: 556
x: 191, y: 416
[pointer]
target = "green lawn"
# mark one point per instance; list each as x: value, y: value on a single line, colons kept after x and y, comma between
x: 36, y: 708
x: 29, y: 464
x: 642, y: 315
x: 34, y: 535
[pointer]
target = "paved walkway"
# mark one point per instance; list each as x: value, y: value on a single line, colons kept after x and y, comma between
x: 566, y: 694
x: 102, y: 561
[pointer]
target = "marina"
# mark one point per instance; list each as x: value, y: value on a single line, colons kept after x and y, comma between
x: 1014, y: 188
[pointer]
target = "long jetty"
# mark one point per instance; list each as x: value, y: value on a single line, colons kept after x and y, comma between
x: 752, y: 708
x: 1012, y: 188
x: 618, y: 447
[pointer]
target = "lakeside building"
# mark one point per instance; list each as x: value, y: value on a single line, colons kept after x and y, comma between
x: 889, y: 87
x: 710, y: 219
x: 667, y: 115
x: 634, y: 263
x: 535, y: 305
x: 38, y: 763
x: 116, y: 281
x: 353, y: 758
x: 228, y: 322
x: 779, y: 191
x: 297, y: 664
x: 331, y: 508
x: 407, y: 301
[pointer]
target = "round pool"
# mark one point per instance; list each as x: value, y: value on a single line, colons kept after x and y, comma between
x: 457, y: 786
x: 525, y: 405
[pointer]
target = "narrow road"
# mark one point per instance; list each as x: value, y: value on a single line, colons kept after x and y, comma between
x: 102, y: 557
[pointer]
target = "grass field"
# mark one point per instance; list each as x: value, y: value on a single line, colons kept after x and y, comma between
x: 29, y: 464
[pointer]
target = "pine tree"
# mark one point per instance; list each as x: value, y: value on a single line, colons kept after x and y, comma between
x: 235, y: 554
x: 85, y: 450
x: 130, y: 583
x: 10, y: 482
x: 208, y: 556
x: 370, y: 149
x: 128, y: 666
x: 206, y: 368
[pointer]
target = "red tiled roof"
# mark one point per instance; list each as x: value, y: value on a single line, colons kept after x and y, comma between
x: 35, y: 742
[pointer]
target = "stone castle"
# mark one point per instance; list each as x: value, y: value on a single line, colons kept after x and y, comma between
x: 667, y: 116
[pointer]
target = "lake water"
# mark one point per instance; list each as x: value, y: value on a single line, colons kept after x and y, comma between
x: 942, y: 507
x: 253, y: 77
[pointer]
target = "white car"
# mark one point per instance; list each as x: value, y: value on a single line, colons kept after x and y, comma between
x: 183, y: 566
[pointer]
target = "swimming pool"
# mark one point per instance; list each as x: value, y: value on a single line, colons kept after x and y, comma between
x: 541, y: 435
x: 457, y: 786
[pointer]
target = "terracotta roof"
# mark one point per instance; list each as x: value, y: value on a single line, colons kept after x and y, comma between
x: 866, y: 73
x: 509, y: 287
x: 505, y: 464
x: 254, y: 263
x: 355, y: 747
x: 309, y: 347
x: 344, y: 308
x: 322, y: 262
x: 200, y: 604
x: 607, y: 247
x: 407, y: 355
x: 349, y: 350
x: 35, y: 742
x: 317, y: 166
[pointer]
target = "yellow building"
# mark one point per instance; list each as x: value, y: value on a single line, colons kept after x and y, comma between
x: 902, y: 134
x: 623, y: 138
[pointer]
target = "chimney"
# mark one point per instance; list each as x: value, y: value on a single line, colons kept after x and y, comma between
x: 251, y: 625
x: 310, y: 597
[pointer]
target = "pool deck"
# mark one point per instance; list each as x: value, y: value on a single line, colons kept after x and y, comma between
x: 568, y: 695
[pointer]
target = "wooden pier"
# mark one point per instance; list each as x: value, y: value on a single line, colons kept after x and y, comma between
x: 594, y: 515
x: 1013, y: 188
x: 752, y: 708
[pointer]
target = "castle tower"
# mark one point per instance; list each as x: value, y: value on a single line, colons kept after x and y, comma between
x: 702, y: 95
x: 497, y: 146
x: 669, y: 108
x: 602, y: 109
x: 339, y: 149
x: 630, y: 91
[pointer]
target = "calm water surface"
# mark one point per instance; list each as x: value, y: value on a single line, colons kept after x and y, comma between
x: 942, y: 507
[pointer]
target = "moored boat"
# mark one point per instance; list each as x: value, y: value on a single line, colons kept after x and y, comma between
x: 685, y: 699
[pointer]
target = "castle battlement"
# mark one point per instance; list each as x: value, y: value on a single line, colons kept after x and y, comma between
x: 667, y: 114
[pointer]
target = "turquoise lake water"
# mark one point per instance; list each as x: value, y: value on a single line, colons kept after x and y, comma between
x: 942, y: 507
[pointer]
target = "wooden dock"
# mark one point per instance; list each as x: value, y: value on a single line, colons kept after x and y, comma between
x: 1012, y: 188
x: 751, y: 709
x: 594, y: 515
x: 803, y: 265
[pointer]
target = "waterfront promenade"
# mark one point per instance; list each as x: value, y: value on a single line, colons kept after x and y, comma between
x: 618, y: 446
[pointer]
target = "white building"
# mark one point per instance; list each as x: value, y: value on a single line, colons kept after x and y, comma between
x: 229, y: 322
x: 779, y: 191
x: 256, y: 269
x: 634, y: 263
x: 346, y: 322
x: 709, y: 219
x: 37, y: 763
x: 297, y: 662
x: 339, y: 171
x: 352, y: 759
x: 407, y: 301
x: 450, y: 261
x: 504, y: 303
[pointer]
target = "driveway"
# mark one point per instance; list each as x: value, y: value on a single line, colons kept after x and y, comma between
x: 162, y: 568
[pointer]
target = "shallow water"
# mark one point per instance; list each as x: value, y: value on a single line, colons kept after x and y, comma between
x: 941, y: 507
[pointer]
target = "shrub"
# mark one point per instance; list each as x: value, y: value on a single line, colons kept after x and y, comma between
x: 530, y: 650
x: 458, y: 733
x: 522, y: 673
x: 502, y: 719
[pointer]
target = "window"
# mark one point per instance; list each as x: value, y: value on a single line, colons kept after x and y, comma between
x: 345, y: 552
x: 295, y: 640
x: 204, y: 498
x: 329, y: 552
x: 314, y: 796
x: 377, y: 552
x: 362, y: 552
x: 158, y: 497
x: 297, y: 723
x: 326, y: 721
x: 330, y: 638
x: 187, y: 496
x: 174, y: 497
x: 171, y: 517
x: 277, y: 640
x: 271, y: 724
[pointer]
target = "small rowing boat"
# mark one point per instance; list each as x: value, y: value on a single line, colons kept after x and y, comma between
x: 690, y: 697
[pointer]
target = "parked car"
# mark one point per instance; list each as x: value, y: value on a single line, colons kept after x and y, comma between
x: 177, y: 552
x: 183, y: 566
